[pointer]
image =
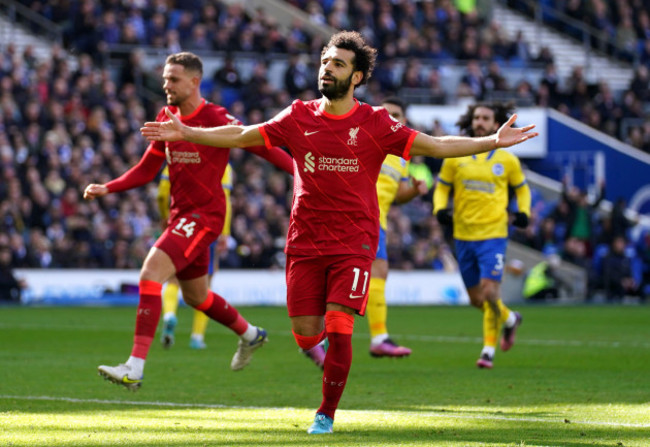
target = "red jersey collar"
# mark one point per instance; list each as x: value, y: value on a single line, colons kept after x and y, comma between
x: 354, y: 108
x: 193, y: 114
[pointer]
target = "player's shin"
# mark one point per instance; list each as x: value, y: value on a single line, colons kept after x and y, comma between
x: 490, y: 326
x: 339, y: 327
x: 147, y: 317
x: 376, y: 311
x: 506, y: 316
x: 218, y: 309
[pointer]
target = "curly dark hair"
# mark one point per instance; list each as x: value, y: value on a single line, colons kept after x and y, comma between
x: 502, y: 112
x: 189, y: 61
x: 365, y: 56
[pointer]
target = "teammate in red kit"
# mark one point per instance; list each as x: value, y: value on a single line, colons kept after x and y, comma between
x: 338, y: 145
x: 196, y: 218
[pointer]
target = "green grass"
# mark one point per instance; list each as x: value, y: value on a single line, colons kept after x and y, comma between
x: 578, y: 376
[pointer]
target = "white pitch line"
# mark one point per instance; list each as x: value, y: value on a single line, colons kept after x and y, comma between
x: 422, y: 338
x: 529, y: 341
x: 432, y: 414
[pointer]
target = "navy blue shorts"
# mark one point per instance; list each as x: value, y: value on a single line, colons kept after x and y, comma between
x: 481, y: 259
x: 382, y: 252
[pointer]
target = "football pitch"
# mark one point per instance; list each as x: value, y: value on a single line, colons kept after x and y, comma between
x: 577, y: 376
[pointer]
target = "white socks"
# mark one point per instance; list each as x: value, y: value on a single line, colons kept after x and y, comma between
x: 249, y: 334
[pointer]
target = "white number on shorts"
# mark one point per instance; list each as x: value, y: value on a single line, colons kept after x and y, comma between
x: 187, y: 228
x: 355, y: 283
x: 499, y: 265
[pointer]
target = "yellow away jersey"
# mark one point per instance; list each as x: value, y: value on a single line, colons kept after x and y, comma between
x: 164, y: 191
x: 226, y: 184
x: 164, y: 188
x: 393, y: 171
x: 480, y: 183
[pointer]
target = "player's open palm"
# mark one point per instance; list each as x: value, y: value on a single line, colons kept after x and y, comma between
x: 508, y: 135
x: 163, y: 131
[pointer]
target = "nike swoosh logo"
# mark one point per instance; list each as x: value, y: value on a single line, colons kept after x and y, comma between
x: 311, y: 133
x: 126, y: 379
x: 354, y: 297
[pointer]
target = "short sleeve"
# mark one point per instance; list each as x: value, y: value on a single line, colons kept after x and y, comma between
x: 276, y: 130
x: 516, y: 177
x: 395, y: 137
x: 405, y: 169
x: 447, y: 172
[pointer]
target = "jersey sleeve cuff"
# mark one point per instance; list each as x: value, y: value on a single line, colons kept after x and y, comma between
x: 405, y: 155
x: 265, y: 135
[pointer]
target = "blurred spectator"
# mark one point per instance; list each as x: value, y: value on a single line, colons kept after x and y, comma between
x: 617, y: 273
x: 10, y: 286
x: 580, y: 218
x: 298, y: 76
x: 542, y: 281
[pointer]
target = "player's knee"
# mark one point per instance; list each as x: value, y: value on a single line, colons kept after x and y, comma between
x: 476, y: 297
x: 490, y: 295
x: 193, y: 301
x: 477, y: 302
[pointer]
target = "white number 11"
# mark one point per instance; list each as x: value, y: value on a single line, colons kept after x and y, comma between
x: 356, y: 271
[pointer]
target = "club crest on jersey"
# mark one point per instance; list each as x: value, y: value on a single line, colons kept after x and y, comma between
x: 353, y: 136
x: 310, y: 162
x: 497, y: 169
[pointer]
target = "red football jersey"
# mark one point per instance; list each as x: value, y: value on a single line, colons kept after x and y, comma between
x: 337, y: 160
x: 195, y: 170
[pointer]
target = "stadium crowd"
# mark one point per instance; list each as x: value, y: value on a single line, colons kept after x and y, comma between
x: 62, y: 128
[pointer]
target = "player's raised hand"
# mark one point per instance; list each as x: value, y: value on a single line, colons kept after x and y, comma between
x: 509, y: 136
x: 171, y: 130
x: 94, y: 190
x: 419, y: 185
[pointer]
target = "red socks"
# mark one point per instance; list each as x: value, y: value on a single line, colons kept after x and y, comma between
x: 147, y: 318
x: 150, y: 306
x: 220, y: 310
x: 339, y: 327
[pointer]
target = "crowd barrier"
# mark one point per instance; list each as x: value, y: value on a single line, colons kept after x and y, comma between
x: 240, y: 287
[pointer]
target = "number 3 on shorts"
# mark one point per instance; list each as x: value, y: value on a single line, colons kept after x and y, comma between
x: 355, y: 282
x: 499, y: 264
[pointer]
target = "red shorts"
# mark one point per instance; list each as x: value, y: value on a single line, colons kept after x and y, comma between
x: 314, y: 281
x: 186, y: 241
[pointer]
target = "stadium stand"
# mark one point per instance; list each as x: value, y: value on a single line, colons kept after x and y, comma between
x: 73, y: 117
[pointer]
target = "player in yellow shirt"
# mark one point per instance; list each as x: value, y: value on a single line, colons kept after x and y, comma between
x: 480, y: 186
x: 393, y: 185
x: 170, y: 293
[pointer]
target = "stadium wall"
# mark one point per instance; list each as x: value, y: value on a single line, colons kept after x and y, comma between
x: 240, y: 287
x: 588, y: 157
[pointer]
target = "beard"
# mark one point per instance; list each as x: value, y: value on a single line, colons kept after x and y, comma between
x: 337, y: 89
x: 481, y: 132
x: 175, y: 99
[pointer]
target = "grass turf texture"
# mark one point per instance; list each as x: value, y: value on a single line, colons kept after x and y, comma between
x: 578, y: 376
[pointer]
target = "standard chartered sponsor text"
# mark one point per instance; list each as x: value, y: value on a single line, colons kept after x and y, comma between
x: 185, y: 157
x: 338, y: 164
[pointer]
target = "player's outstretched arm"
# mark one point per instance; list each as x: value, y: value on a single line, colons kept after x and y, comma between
x: 454, y: 146
x: 223, y: 136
